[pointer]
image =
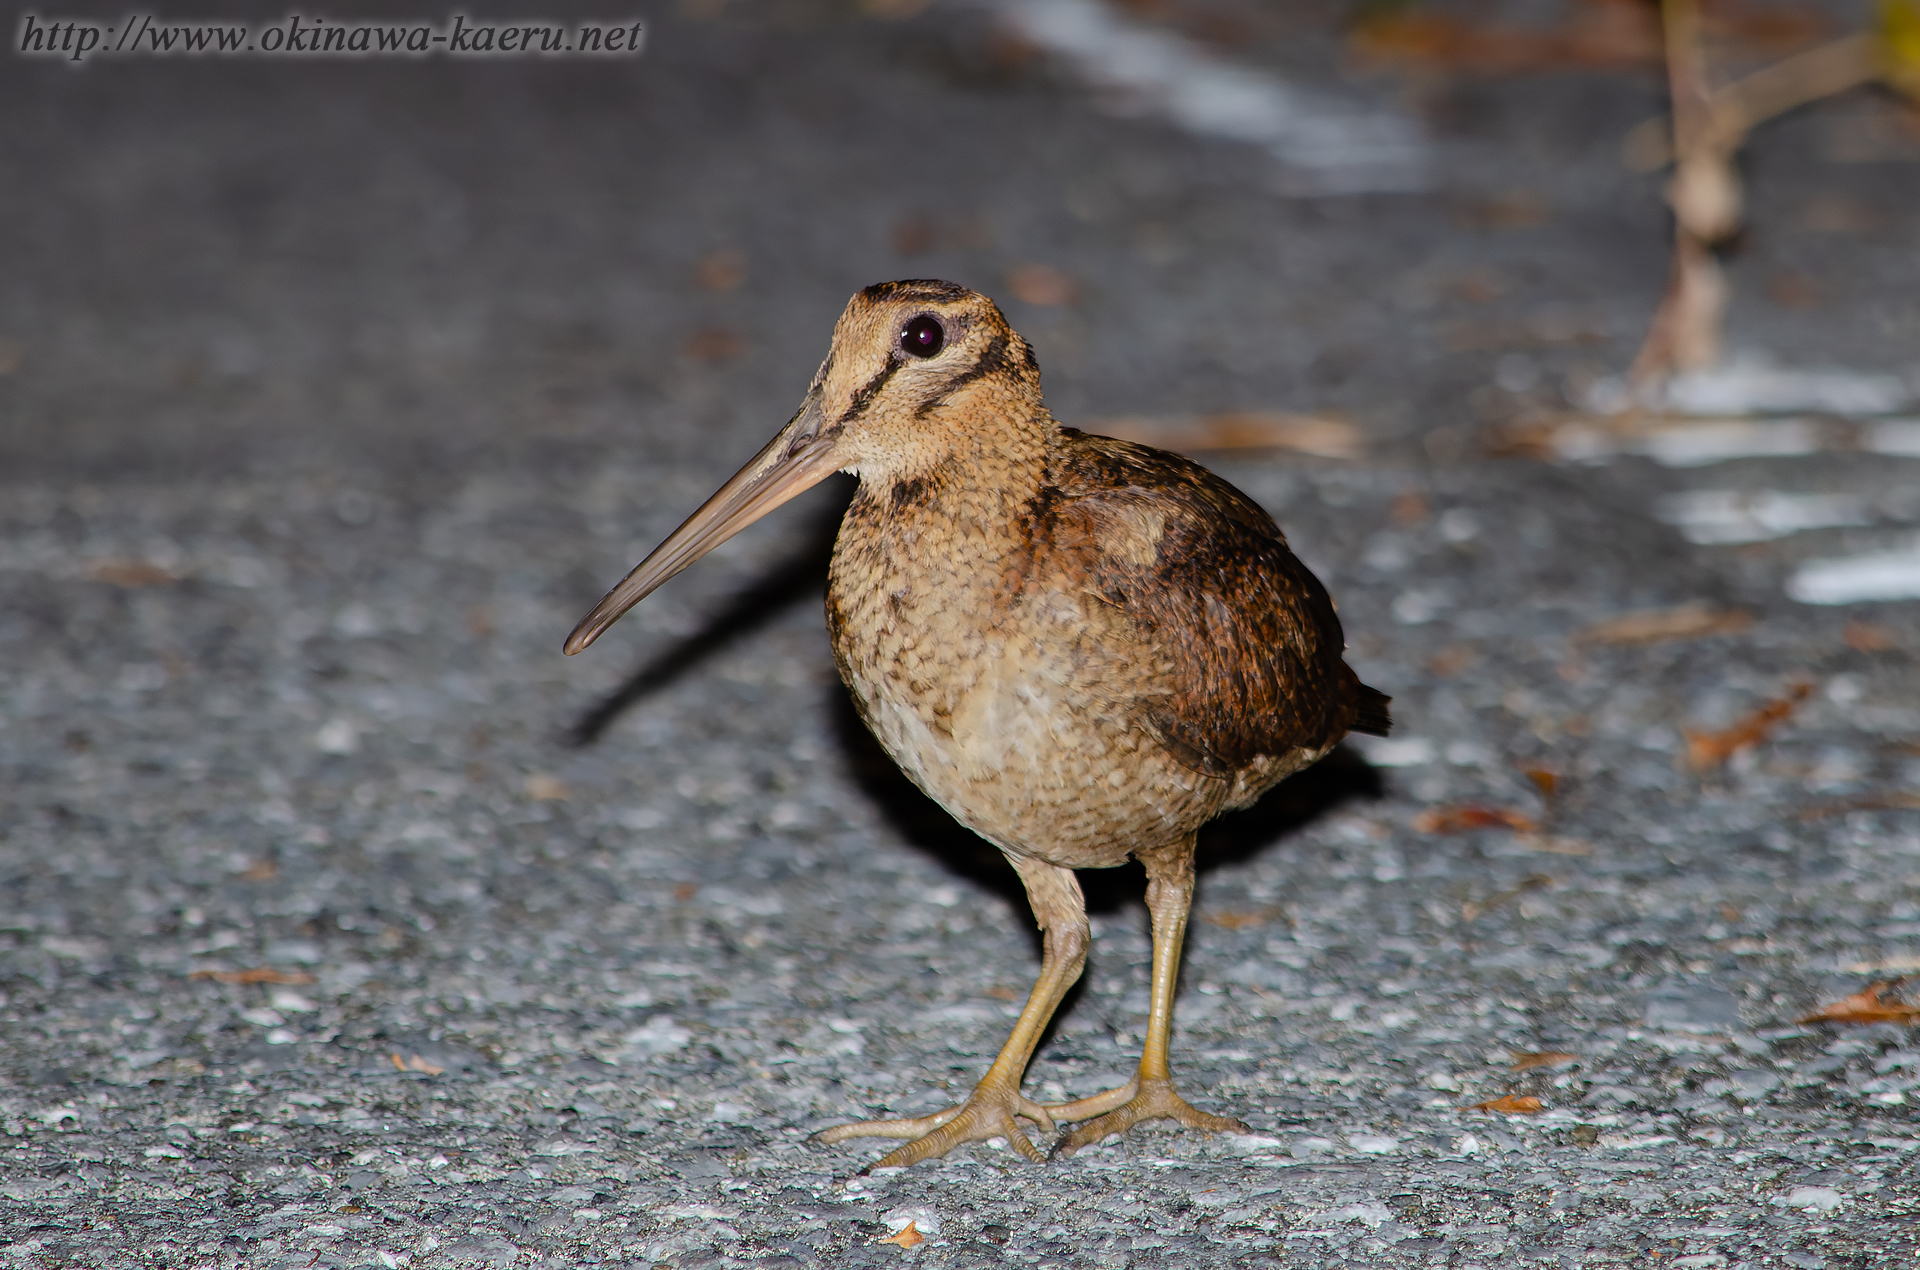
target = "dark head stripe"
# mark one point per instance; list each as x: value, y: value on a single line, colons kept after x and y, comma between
x: 993, y: 361
x: 863, y: 397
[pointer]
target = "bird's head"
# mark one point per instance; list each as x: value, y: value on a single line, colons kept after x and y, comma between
x: 920, y: 373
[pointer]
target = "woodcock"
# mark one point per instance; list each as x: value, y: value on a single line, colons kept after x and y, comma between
x: 1082, y: 648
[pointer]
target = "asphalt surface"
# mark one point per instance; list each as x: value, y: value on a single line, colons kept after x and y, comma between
x: 345, y: 923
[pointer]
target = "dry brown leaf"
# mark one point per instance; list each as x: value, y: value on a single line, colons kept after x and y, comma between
x: 1475, y: 288
x: 1461, y: 819
x: 1242, y: 430
x: 1868, y: 637
x: 893, y: 10
x: 721, y: 270
x: 685, y: 891
x: 1554, y: 845
x: 415, y: 1063
x: 1791, y: 289
x: 908, y: 1236
x: 1708, y: 750
x: 1837, y: 214
x: 1515, y: 209
x: 914, y: 235
x: 1527, y: 1060
x: 1527, y: 438
x: 1043, y: 285
x: 130, y: 573
x: 259, y: 974
x: 1651, y: 626
x: 1545, y: 780
x: 1511, y: 1105
x: 1598, y: 35
x: 1001, y: 992
x: 1242, y: 920
x: 1409, y: 507
x: 1894, y: 800
x: 714, y: 344
x: 1473, y: 910
x: 1866, y: 1006
x: 542, y: 787
x: 261, y: 871
x: 1453, y: 659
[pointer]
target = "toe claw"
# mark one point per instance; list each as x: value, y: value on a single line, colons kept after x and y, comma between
x: 1023, y: 1145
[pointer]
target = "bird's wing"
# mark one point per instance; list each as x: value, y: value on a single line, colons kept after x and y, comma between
x: 1245, y: 635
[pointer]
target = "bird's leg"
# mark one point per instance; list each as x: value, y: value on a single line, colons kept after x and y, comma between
x: 990, y: 1111
x: 1150, y: 1094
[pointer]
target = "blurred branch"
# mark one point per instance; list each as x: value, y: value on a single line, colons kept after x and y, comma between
x: 1685, y: 332
x: 1736, y: 109
x: 1707, y: 128
x: 1705, y: 195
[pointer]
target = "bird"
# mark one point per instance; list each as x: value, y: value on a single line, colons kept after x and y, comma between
x: 1082, y: 648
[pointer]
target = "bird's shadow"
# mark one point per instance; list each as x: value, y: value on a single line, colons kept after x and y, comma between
x: 799, y: 575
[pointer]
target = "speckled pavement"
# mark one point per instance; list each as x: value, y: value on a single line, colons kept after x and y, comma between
x: 344, y: 923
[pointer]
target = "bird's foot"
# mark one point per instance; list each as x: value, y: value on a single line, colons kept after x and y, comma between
x: 1118, y: 1110
x: 992, y: 1111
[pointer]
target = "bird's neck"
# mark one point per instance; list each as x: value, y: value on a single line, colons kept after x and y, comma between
x: 984, y: 486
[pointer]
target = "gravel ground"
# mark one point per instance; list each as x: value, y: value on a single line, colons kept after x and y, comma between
x: 344, y: 923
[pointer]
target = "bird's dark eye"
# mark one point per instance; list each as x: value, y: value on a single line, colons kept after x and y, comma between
x: 923, y: 337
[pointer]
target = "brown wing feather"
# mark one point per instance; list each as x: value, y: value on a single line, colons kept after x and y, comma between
x: 1247, y: 632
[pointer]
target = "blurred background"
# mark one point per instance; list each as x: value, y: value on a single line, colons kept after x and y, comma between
x: 1414, y: 217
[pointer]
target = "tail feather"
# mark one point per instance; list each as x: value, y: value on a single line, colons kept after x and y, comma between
x: 1370, y: 713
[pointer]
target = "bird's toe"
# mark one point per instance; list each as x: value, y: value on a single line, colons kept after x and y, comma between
x: 989, y: 1113
x: 1154, y: 1100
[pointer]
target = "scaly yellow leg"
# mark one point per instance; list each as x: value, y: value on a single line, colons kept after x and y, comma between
x: 1150, y: 1094
x: 996, y: 1102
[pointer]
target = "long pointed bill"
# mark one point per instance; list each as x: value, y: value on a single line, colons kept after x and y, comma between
x: 792, y: 463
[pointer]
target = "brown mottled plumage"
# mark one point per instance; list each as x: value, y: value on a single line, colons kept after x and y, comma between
x: 1082, y: 648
